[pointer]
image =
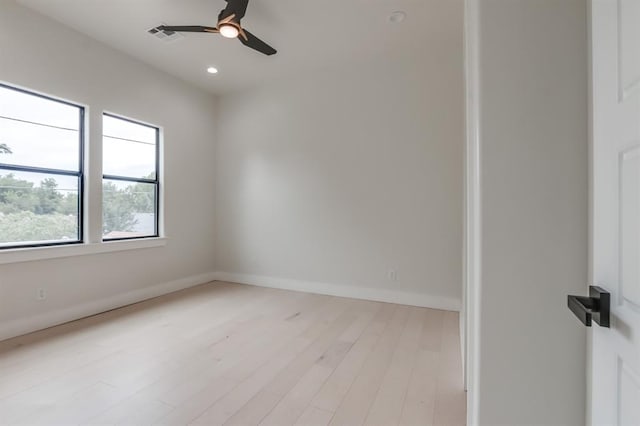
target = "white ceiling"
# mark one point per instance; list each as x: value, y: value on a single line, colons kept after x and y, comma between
x: 309, y: 35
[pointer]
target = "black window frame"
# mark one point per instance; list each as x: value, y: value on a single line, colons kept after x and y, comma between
x: 80, y: 174
x: 155, y: 181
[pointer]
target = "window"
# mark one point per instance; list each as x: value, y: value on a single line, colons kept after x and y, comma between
x: 42, y: 179
x: 130, y: 188
x: 41, y: 170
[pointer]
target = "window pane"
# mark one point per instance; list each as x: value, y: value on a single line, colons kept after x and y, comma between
x: 129, y: 152
x: 123, y: 129
x: 38, y: 208
x: 128, y: 159
x: 19, y: 105
x: 129, y: 209
x: 40, y: 146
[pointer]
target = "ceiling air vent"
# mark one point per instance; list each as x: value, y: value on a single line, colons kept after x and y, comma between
x: 164, y: 35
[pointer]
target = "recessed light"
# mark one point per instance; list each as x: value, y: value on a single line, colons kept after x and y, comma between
x: 397, y: 17
x: 212, y: 70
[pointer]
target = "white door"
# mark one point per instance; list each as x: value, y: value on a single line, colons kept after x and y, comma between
x: 614, y: 397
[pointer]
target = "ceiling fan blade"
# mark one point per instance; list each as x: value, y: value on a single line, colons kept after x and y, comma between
x: 188, y: 28
x: 238, y: 7
x: 235, y: 7
x: 256, y: 44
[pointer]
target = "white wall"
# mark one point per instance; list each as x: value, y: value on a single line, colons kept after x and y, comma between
x: 39, y: 54
x: 327, y: 181
x: 533, y: 124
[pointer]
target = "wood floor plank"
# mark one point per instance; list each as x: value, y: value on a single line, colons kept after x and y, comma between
x: 450, y: 404
x: 190, y: 409
x: 272, y: 346
x: 336, y: 387
x: 431, y: 339
x: 53, y: 391
x: 355, y: 405
x: 301, y: 364
x: 283, y: 371
x: 135, y: 410
x: 293, y: 404
x: 233, y: 354
x: 419, y: 402
x: 216, y: 359
x: 77, y: 339
x: 387, y: 407
x: 314, y: 416
x: 78, y: 408
x: 254, y: 410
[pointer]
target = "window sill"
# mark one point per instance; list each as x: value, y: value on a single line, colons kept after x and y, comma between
x: 29, y: 254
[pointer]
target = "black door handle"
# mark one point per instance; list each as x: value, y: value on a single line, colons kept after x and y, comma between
x: 596, y: 306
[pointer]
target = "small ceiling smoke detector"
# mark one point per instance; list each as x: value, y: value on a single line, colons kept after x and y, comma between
x: 397, y: 17
x: 212, y: 70
x: 164, y: 35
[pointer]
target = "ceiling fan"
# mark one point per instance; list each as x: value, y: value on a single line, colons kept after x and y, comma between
x: 228, y: 26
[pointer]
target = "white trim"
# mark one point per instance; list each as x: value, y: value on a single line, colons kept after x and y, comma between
x: 473, y: 212
x: 29, y: 254
x: 349, y: 291
x: 590, y: 268
x: 49, y: 319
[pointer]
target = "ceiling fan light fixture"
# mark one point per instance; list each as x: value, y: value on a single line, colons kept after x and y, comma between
x: 228, y: 25
x: 229, y: 31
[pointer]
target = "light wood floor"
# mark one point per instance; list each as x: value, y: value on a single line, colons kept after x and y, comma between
x: 239, y: 355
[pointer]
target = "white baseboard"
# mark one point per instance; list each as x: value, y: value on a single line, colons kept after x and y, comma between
x: 349, y: 291
x: 49, y: 319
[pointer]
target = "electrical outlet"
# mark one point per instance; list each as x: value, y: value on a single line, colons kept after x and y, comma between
x: 41, y: 294
x: 392, y: 275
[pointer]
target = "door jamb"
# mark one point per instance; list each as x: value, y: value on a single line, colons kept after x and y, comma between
x: 590, y: 132
x: 472, y: 217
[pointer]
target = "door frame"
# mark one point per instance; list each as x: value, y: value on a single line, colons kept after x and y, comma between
x: 472, y: 268
x: 590, y: 239
x: 471, y: 291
